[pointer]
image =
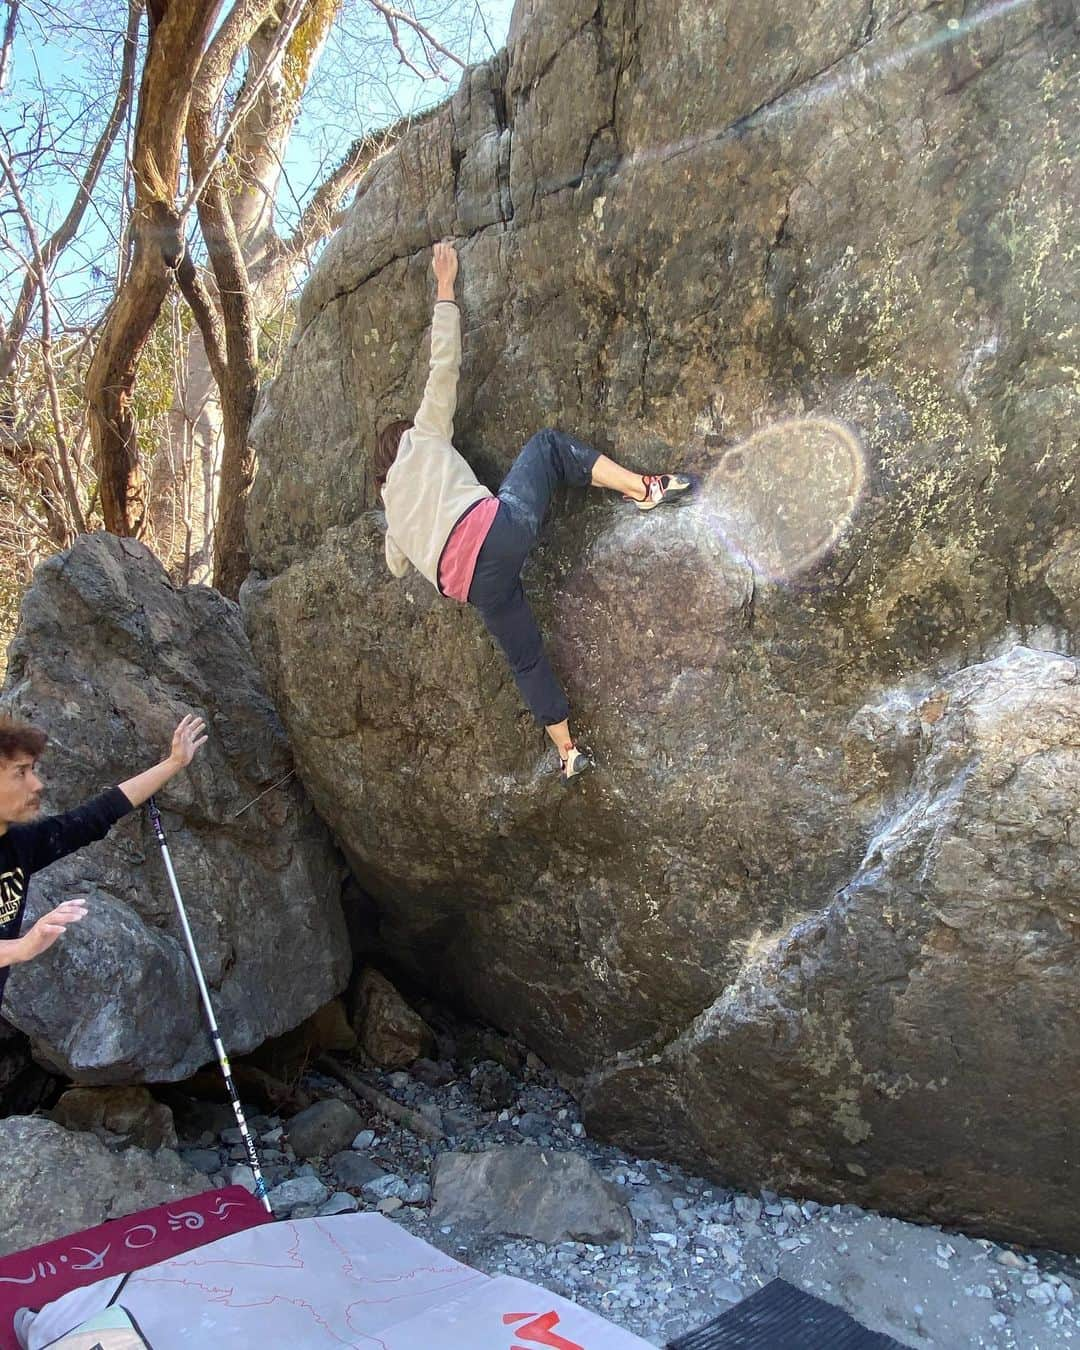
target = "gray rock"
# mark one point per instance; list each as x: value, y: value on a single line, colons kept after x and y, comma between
x: 207, y: 1160
x: 57, y: 1182
x: 458, y: 1123
x: 354, y: 1169
x: 726, y: 1290
x: 339, y: 1203
x: 299, y: 1191
x: 322, y: 1129
x: 528, y: 1192
x: 748, y: 1207
x: 387, y: 1186
x: 107, y: 659
x: 364, y: 1139
x: 241, y: 1175
x: 802, y: 770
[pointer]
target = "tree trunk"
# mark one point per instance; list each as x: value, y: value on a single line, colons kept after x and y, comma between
x: 179, y: 30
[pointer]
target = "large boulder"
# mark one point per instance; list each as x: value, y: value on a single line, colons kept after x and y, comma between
x: 57, y: 1182
x: 107, y: 659
x: 680, y: 227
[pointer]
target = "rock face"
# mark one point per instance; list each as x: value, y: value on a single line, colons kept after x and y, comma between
x: 107, y: 659
x: 57, y: 1182
x: 796, y: 931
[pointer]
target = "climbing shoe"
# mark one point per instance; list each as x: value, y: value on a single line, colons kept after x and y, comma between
x: 662, y: 489
x: 578, y: 761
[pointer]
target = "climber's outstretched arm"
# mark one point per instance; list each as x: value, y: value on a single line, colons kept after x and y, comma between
x: 435, y: 416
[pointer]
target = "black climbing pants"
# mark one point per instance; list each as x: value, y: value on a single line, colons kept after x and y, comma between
x: 548, y: 459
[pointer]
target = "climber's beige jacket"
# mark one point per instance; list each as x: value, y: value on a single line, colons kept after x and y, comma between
x: 429, y: 487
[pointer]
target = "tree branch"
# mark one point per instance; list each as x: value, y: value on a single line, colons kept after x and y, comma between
x: 394, y: 16
x: 196, y: 293
x: 9, y: 348
x: 71, y: 495
x: 9, y: 38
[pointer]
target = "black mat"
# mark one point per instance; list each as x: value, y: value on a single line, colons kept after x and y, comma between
x: 781, y: 1317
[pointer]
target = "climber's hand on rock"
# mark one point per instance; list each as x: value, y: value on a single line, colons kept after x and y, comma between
x: 444, y: 264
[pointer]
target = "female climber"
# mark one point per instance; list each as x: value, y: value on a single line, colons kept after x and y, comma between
x: 472, y: 545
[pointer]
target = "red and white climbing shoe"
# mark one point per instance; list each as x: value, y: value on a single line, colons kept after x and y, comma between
x: 577, y: 761
x: 662, y: 489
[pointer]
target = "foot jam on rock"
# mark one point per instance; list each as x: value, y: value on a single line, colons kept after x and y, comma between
x: 662, y: 489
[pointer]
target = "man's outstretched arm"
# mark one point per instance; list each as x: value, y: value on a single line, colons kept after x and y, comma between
x: 44, y: 841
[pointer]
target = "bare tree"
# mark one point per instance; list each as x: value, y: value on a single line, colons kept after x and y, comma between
x: 185, y: 184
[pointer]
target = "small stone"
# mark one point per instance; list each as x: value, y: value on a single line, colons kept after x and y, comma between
x: 390, y: 1205
x: 341, y: 1202
x: 982, y: 1291
x: 419, y: 1193
x: 1012, y: 1260
x: 387, y: 1186
x: 944, y: 1250
x: 323, y: 1129
x: 577, y: 1130
x: 273, y: 1136
x: 299, y: 1191
x: 665, y: 1239
x: 748, y: 1208
x: 399, y: 1080
x: 1041, y: 1294
x: 789, y: 1244
x: 207, y: 1160
x: 998, y: 1320
x: 354, y: 1169
x: 726, y: 1290
x: 1064, y: 1294
x: 241, y: 1175
x: 364, y: 1139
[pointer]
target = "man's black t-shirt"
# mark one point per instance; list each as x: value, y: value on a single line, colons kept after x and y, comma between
x: 26, y: 849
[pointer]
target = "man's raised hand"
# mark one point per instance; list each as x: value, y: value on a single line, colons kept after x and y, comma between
x: 49, y: 927
x: 188, y: 736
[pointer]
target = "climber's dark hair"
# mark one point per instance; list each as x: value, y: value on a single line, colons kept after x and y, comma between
x: 19, y: 738
x: 386, y: 448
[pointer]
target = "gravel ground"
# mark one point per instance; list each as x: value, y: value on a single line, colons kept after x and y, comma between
x: 698, y: 1247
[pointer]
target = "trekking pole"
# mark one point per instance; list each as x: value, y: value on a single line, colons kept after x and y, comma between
x: 215, y: 1035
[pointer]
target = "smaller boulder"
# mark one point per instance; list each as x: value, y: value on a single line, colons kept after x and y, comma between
x: 57, y: 1181
x: 300, y: 1191
x: 391, y: 1034
x: 529, y: 1192
x: 325, y: 1128
x: 354, y: 1170
x: 130, y: 1112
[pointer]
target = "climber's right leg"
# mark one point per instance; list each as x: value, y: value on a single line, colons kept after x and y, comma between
x: 546, y: 460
